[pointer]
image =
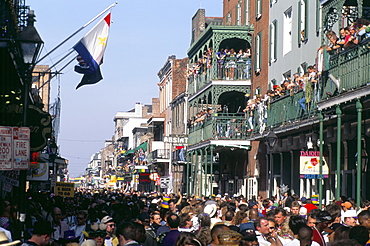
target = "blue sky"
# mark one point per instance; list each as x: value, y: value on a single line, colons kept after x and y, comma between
x: 142, y: 36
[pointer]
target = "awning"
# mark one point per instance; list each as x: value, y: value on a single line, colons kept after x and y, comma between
x: 141, y: 146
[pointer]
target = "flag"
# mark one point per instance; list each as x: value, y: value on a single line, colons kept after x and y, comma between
x: 90, y: 51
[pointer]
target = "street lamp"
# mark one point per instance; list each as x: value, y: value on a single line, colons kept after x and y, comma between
x: 30, y: 44
x: 271, y: 141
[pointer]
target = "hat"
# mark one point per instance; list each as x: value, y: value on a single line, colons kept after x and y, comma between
x: 89, y: 242
x: 218, y: 196
x: 210, y: 209
x: 106, y: 219
x: 230, y: 238
x: 323, y: 216
x: 335, y: 226
x: 275, y: 86
x: 249, y: 235
x: 348, y: 205
x: 350, y: 213
x: 251, y: 204
x: 143, y: 217
x: 69, y: 236
x: 303, y: 199
x: 4, y: 240
x: 42, y: 228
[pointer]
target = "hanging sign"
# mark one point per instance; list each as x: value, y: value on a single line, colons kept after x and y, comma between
x: 310, y: 165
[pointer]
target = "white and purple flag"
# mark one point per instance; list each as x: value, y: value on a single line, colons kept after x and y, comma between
x: 90, y: 51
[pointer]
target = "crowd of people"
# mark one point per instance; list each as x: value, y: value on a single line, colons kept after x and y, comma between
x: 112, y: 217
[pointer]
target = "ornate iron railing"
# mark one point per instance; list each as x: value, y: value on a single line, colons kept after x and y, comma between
x: 231, y: 69
x: 220, y: 126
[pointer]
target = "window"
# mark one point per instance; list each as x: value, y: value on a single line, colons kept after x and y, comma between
x: 239, y: 14
x: 287, y: 75
x: 273, y: 41
x: 287, y: 31
x: 246, y: 8
x: 257, y: 91
x: 228, y: 19
x: 302, y: 22
x: 257, y: 53
x: 258, y: 9
x: 272, y: 83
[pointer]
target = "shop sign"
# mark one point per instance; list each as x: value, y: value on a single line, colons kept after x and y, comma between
x: 310, y: 165
x: 181, y: 140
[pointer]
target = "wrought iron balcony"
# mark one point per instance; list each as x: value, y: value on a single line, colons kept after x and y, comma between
x: 350, y: 69
x: 232, y: 69
x: 161, y: 154
x: 220, y: 126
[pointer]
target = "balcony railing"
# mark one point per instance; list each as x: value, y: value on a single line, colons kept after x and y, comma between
x: 220, y: 126
x: 351, y: 67
x: 232, y: 69
x: 161, y: 154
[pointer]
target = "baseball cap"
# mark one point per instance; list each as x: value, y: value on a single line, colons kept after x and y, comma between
x: 323, y: 216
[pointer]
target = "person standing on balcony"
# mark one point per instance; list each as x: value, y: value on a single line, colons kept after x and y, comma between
x: 231, y: 65
x: 220, y: 55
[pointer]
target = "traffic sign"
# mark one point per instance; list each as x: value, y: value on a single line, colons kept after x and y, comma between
x: 21, y: 148
x: 6, y: 148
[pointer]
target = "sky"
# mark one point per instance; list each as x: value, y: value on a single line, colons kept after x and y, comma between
x: 143, y: 34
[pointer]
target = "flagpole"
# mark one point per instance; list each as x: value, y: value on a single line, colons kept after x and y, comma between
x: 81, y: 28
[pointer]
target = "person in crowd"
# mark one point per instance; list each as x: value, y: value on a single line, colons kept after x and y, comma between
x: 280, y: 216
x: 187, y: 239
x: 294, y: 208
x: 155, y: 221
x: 364, y: 220
x: 323, y: 220
x: 126, y: 234
x: 42, y: 234
x: 341, y: 233
x: 170, y: 238
x: 81, y: 225
x: 150, y: 235
x: 229, y: 237
x: 249, y: 224
x: 59, y: 225
x: 360, y: 234
x: 217, y: 230
x: 335, y: 212
x: 110, y: 226
x: 266, y: 232
x: 350, y: 218
x: 309, y: 205
x: 186, y: 223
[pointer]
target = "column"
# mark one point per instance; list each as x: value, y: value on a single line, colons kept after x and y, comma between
x: 339, y: 145
x: 359, y: 152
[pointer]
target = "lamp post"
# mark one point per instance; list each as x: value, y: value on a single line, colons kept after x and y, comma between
x: 271, y: 141
x: 30, y: 44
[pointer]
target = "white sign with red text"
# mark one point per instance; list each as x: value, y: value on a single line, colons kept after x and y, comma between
x: 6, y: 148
x: 14, y: 148
x: 21, y: 148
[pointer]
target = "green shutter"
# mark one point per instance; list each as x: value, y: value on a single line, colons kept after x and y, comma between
x: 299, y: 22
x: 276, y: 38
x: 318, y: 24
x: 306, y: 14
